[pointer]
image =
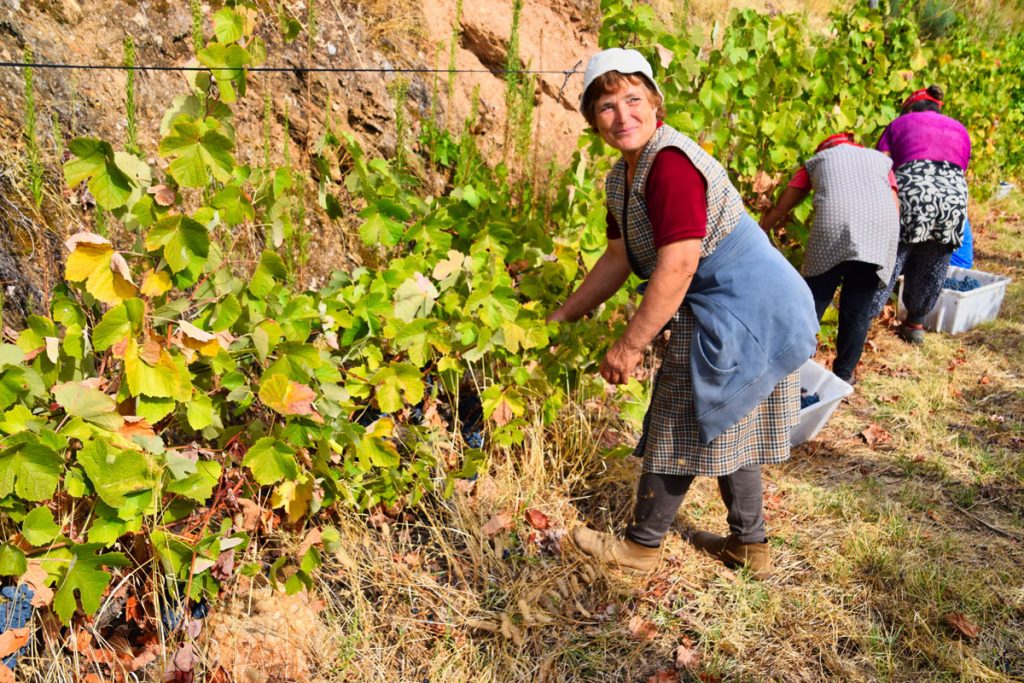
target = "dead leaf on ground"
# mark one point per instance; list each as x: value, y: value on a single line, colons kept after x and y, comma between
x: 13, y: 640
x: 162, y: 194
x: 666, y: 676
x: 35, y: 578
x: 498, y: 523
x: 686, y: 655
x: 252, y: 517
x: 874, y: 435
x: 537, y: 519
x: 313, y: 537
x: 985, y: 380
x: 642, y: 628
x: 962, y: 625
x: 6, y: 675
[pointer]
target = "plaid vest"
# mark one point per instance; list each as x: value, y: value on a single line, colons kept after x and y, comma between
x: 724, y: 204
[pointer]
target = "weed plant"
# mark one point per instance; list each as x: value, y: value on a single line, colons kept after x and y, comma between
x: 32, y: 152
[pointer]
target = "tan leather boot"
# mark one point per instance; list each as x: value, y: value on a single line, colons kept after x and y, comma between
x: 620, y: 553
x: 733, y: 554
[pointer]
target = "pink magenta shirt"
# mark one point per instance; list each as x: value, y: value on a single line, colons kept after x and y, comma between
x: 926, y: 135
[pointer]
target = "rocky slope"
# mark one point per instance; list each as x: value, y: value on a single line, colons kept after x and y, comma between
x: 553, y: 36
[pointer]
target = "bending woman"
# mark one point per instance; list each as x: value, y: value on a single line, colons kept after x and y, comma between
x: 741, y: 319
x: 853, y: 238
x: 930, y: 153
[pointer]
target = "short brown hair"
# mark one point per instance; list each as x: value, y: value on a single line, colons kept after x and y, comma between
x: 611, y: 82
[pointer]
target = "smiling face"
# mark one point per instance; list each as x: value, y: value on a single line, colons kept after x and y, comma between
x: 626, y: 117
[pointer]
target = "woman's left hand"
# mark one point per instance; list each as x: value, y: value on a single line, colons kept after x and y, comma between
x: 619, y: 363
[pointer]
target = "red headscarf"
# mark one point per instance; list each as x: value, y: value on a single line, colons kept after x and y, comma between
x: 919, y: 95
x: 833, y: 140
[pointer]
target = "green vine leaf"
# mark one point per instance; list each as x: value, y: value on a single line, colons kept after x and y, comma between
x: 271, y: 461
x: 12, y: 561
x: 38, y: 527
x: 415, y: 298
x: 199, y: 485
x: 268, y: 273
x: 124, y: 480
x: 227, y: 65
x: 86, y: 578
x: 81, y: 400
x: 30, y: 470
x: 95, y: 162
x: 185, y: 242
x: 199, y: 151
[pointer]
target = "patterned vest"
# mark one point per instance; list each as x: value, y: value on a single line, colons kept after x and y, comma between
x: 724, y: 204
x: 855, y: 217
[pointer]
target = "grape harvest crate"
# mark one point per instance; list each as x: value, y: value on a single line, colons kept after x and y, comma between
x: 814, y: 379
x: 957, y: 312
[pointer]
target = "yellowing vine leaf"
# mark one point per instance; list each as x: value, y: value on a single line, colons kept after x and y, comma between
x: 161, y: 379
x: 194, y: 338
x: 294, y: 497
x: 286, y: 396
x: 94, y: 261
x: 155, y: 283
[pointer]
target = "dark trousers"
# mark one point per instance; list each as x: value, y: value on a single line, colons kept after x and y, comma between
x: 860, y: 284
x: 924, y: 267
x: 658, y: 497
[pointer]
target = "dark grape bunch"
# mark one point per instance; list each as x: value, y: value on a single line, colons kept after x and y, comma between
x: 964, y: 284
x: 15, y: 612
x: 807, y: 400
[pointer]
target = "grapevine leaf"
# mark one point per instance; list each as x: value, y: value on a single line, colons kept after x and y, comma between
x: 271, y: 461
x: 94, y: 263
x: 155, y: 283
x: 118, y: 477
x: 30, y: 470
x: 415, y: 298
x: 10, y: 355
x: 374, y: 449
x: 185, y: 242
x: 201, y: 413
x: 228, y: 26
x: 381, y: 230
x: 270, y: 271
x: 38, y: 527
x: 85, y: 577
x: 199, y: 485
x: 286, y: 396
x: 81, y: 400
x: 501, y: 405
x: 12, y: 561
x: 161, y: 379
x: 198, y: 150
x: 95, y: 162
x: 294, y: 497
x: 111, y: 329
x: 227, y: 64
x: 225, y: 313
x: 234, y: 207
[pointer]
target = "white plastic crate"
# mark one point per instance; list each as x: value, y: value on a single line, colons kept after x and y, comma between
x: 957, y: 312
x: 815, y: 379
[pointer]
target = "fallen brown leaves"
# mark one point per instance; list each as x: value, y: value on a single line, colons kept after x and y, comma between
x: 962, y: 625
x: 875, y: 435
x: 642, y: 629
x: 497, y: 523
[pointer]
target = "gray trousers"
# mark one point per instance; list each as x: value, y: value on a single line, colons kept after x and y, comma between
x: 923, y: 266
x: 658, y: 497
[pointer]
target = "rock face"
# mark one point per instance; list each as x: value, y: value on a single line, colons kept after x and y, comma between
x: 553, y: 36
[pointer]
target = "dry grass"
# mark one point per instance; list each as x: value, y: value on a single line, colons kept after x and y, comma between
x: 874, y: 546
